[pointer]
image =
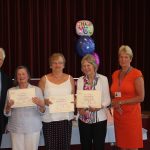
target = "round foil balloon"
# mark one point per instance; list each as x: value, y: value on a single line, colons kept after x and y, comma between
x: 85, y: 45
x: 96, y: 58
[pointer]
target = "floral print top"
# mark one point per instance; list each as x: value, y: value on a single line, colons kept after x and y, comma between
x: 90, y: 117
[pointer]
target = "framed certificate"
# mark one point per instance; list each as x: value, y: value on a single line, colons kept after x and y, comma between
x: 61, y: 104
x: 88, y: 98
x: 22, y: 97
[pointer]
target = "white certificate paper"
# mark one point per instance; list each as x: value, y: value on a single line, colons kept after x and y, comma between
x: 22, y: 97
x: 61, y: 104
x: 88, y: 98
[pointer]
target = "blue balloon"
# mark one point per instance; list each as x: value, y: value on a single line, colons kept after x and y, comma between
x: 85, y: 45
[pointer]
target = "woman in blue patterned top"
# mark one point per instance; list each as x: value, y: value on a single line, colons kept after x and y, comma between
x: 24, y: 123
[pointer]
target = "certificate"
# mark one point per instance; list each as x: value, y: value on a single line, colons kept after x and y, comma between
x: 88, y: 98
x: 22, y: 97
x: 61, y: 104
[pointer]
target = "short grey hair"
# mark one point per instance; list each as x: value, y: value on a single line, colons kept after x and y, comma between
x: 3, y: 52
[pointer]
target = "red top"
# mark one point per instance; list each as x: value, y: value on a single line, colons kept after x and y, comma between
x: 128, y: 125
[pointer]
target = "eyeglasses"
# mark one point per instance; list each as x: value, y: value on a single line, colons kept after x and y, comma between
x: 59, y: 63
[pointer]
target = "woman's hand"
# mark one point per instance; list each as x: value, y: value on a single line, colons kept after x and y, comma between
x: 117, y: 105
x: 9, y: 105
x: 47, y: 102
x: 39, y: 103
x: 82, y: 111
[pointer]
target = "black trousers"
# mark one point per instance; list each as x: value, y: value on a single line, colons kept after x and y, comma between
x: 92, y: 135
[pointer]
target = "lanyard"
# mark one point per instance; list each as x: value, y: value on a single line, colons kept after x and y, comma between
x: 119, y: 77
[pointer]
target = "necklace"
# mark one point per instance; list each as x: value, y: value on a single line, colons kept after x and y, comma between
x: 124, y: 72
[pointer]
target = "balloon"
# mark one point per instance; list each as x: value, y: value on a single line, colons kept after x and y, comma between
x: 84, y: 28
x: 96, y: 58
x: 85, y: 45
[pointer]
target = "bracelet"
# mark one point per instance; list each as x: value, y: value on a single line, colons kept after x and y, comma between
x: 42, y: 109
x: 120, y: 102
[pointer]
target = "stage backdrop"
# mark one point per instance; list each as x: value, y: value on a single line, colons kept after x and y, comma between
x: 31, y: 30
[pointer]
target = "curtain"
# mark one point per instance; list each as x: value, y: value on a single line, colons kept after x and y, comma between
x: 31, y: 30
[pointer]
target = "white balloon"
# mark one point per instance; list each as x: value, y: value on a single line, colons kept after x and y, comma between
x: 84, y: 28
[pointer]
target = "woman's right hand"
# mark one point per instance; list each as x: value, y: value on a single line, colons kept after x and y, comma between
x: 47, y: 102
x: 115, y: 104
x: 82, y: 111
x: 9, y: 105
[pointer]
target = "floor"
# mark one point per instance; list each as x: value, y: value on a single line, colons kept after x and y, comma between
x: 146, y: 125
x: 107, y: 147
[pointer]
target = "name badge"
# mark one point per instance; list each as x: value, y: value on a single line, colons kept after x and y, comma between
x: 117, y: 94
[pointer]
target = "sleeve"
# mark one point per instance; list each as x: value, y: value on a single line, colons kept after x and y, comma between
x: 137, y: 73
x: 7, y: 98
x: 39, y: 94
x: 105, y: 93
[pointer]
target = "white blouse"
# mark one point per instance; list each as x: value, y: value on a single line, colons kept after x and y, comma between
x: 103, y: 86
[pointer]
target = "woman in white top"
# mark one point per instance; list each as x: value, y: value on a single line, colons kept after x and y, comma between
x: 93, y: 121
x: 57, y: 127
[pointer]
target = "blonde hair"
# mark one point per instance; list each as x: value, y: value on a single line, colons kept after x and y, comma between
x: 126, y: 49
x: 90, y: 59
x: 3, y: 52
x: 55, y: 56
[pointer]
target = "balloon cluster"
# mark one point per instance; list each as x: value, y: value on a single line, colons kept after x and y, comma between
x: 85, y: 44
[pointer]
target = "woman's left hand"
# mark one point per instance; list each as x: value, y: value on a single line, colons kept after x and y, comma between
x: 38, y: 102
x: 116, y: 105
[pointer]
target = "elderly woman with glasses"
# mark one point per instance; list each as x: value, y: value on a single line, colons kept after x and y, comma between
x: 57, y: 126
